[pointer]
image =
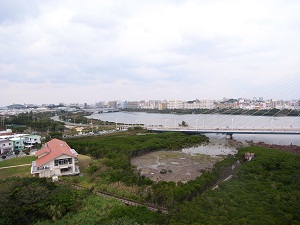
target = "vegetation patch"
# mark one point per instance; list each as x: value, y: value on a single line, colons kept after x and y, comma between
x: 84, y: 162
x: 265, y: 190
x: 40, y: 201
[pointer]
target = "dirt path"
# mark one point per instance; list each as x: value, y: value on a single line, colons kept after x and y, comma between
x: 6, y: 167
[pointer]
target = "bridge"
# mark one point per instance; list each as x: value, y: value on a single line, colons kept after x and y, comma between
x: 102, y: 110
x: 227, y: 131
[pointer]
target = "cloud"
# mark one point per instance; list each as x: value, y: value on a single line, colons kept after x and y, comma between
x: 145, y: 49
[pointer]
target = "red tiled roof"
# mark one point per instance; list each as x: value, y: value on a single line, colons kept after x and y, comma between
x: 54, y: 149
x: 43, y: 150
x: 8, y: 133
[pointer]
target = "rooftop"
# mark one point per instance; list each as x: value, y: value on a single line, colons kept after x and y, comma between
x: 53, y: 149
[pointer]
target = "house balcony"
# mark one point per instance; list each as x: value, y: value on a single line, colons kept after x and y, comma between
x: 35, y: 169
x: 69, y: 171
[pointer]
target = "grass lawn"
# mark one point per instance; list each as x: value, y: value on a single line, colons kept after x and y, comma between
x: 17, y: 161
x: 22, y: 171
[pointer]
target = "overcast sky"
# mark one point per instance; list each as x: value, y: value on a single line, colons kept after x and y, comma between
x: 89, y: 51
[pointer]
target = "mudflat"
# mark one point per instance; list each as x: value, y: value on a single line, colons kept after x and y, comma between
x: 173, y: 165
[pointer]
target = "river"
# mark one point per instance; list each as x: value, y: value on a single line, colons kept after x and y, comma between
x: 212, y: 121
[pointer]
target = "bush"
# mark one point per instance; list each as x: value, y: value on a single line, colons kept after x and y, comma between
x: 26, y: 151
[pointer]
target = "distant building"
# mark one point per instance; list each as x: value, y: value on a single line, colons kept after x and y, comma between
x: 151, y: 104
x: 6, y: 146
x: 192, y: 104
x: 100, y: 104
x: 112, y: 104
x: 133, y: 105
x: 16, y: 106
x: 162, y: 106
x: 55, y: 158
x: 175, y: 104
x: 207, y: 104
x: 228, y: 104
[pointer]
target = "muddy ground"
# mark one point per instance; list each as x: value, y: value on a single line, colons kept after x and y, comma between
x: 173, y: 165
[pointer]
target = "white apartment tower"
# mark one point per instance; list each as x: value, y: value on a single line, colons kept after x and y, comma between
x: 175, y: 104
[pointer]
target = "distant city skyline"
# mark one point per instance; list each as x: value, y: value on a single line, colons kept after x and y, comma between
x: 143, y: 101
x: 74, y: 51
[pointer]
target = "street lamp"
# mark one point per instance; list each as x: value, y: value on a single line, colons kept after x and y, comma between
x: 272, y: 124
x: 116, y: 123
x: 196, y: 124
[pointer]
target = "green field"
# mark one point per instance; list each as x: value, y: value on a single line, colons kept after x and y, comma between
x: 17, y: 161
x: 20, y: 171
x: 265, y: 190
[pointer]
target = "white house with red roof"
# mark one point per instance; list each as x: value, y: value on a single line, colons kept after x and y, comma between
x: 55, y: 158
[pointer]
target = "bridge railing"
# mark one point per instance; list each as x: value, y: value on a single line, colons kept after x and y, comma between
x: 227, y: 129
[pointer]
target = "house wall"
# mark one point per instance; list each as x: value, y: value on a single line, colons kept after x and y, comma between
x: 32, y: 139
x: 6, y: 146
x: 17, y: 144
x: 56, y: 170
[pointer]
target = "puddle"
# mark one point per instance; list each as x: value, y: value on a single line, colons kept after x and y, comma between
x: 212, y: 150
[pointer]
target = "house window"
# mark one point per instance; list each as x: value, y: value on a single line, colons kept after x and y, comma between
x: 3, y: 145
x: 9, y: 144
x: 62, y: 161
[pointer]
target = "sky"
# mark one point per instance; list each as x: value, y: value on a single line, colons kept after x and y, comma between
x: 71, y: 51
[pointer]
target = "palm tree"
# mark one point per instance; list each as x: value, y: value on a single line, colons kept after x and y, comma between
x: 183, y: 124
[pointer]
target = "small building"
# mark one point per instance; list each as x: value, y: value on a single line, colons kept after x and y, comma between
x: 55, y: 158
x: 6, y: 132
x: 17, y: 143
x: 21, y: 141
x: 249, y: 156
x: 31, y: 139
x: 6, y: 146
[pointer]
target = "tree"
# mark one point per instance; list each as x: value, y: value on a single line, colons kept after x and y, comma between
x: 183, y: 124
